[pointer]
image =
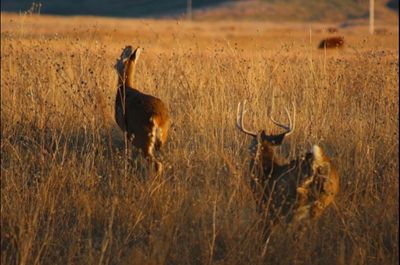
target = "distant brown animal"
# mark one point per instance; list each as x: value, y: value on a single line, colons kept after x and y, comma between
x: 288, y: 192
x: 332, y: 42
x: 143, y: 118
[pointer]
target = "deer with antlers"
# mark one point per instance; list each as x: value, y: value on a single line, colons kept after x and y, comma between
x: 143, y: 118
x: 288, y: 192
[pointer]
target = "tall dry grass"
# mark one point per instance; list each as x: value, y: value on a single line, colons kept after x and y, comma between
x: 67, y: 199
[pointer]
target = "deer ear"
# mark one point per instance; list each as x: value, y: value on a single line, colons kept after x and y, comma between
x: 135, y: 55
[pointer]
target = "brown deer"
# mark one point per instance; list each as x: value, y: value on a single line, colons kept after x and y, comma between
x: 143, y: 118
x: 332, y: 42
x: 288, y: 192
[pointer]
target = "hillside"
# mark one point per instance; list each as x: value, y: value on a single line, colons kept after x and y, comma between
x: 302, y: 11
x: 122, y: 8
x: 267, y: 10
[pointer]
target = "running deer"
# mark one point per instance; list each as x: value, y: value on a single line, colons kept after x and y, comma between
x: 288, y: 192
x: 143, y: 118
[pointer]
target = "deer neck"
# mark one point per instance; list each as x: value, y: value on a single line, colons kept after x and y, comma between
x: 130, y: 74
x: 271, y: 161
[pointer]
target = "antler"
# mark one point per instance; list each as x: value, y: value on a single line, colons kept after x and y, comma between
x: 239, y: 119
x: 289, y: 129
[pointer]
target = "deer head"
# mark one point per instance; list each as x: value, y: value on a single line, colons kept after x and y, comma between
x: 126, y: 64
x: 264, y: 144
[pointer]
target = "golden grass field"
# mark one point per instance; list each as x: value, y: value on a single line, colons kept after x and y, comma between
x: 66, y: 197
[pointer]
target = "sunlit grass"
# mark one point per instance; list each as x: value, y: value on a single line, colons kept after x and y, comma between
x: 66, y: 198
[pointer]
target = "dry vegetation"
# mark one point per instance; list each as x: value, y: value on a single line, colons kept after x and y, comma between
x: 67, y: 199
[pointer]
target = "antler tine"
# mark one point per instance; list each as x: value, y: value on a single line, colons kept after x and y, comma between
x: 289, y: 129
x: 239, y: 119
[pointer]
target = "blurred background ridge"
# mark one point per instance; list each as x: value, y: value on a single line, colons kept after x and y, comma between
x: 268, y: 10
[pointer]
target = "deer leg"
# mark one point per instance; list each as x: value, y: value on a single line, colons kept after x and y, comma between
x: 153, y: 161
x: 159, y: 167
x: 126, y: 149
x: 152, y: 140
x: 126, y: 137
